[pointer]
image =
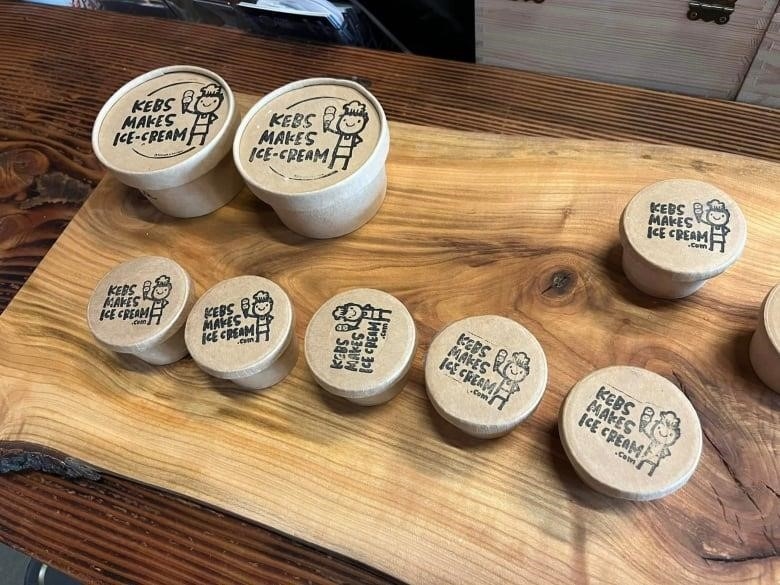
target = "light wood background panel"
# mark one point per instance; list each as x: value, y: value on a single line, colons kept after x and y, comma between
x: 648, y: 44
x: 762, y: 83
x: 472, y: 224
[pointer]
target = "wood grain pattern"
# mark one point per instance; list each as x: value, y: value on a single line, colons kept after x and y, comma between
x: 112, y: 532
x: 41, y: 188
x: 394, y: 486
x: 59, y: 65
x: 648, y: 44
x: 762, y: 83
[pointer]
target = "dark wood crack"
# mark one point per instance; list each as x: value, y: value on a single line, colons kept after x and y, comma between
x: 20, y: 457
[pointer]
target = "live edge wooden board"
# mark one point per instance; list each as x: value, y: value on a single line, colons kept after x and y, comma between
x: 472, y: 224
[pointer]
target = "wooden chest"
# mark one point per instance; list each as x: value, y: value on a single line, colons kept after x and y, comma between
x: 652, y: 44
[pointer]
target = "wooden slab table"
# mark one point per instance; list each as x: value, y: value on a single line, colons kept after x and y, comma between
x: 59, y: 66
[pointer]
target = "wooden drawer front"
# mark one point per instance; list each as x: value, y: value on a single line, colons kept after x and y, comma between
x: 762, y: 84
x: 643, y: 43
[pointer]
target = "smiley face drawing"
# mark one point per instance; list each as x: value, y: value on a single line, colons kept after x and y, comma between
x: 513, y: 370
x: 717, y: 216
x: 208, y: 101
x: 259, y: 308
x: 352, y: 314
x: 663, y: 432
x: 348, y: 126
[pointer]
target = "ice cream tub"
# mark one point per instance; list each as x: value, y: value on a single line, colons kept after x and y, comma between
x: 679, y: 233
x: 630, y: 433
x: 140, y: 308
x: 485, y: 374
x: 765, y: 343
x: 360, y: 345
x: 242, y: 330
x: 315, y: 151
x: 169, y: 133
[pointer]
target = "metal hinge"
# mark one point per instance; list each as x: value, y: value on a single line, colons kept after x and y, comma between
x: 718, y: 11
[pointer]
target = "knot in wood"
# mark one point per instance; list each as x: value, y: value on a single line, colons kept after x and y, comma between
x: 559, y: 283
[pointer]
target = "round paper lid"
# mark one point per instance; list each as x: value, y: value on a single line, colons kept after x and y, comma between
x: 163, y: 118
x: 771, y: 316
x: 630, y: 433
x: 686, y: 227
x: 240, y: 327
x: 309, y: 135
x: 140, y: 303
x: 360, y: 343
x: 485, y: 374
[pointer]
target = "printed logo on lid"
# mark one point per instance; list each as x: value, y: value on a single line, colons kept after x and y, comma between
x: 360, y: 342
x: 362, y: 332
x: 485, y: 374
x: 630, y: 433
x: 248, y: 321
x: 641, y: 434
x: 163, y: 121
x: 311, y: 137
x: 702, y: 226
x: 239, y: 326
x: 486, y: 370
x: 686, y: 227
x: 138, y: 301
x: 137, y: 305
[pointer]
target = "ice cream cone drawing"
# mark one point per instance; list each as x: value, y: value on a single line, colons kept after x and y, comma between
x: 328, y: 117
x: 186, y: 100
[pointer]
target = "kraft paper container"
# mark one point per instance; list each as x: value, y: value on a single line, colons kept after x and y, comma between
x: 630, y: 433
x: 677, y: 234
x: 360, y: 345
x: 242, y: 330
x: 169, y: 134
x: 315, y: 151
x: 765, y: 343
x: 140, y: 308
x: 485, y: 374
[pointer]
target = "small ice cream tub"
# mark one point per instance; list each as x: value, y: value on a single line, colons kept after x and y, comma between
x: 169, y: 133
x: 677, y: 234
x: 630, y: 433
x: 485, y: 374
x: 242, y: 330
x: 765, y: 343
x: 315, y: 151
x: 140, y: 308
x: 360, y: 345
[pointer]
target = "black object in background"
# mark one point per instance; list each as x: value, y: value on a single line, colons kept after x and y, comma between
x: 355, y: 27
x: 437, y: 28
x: 40, y: 574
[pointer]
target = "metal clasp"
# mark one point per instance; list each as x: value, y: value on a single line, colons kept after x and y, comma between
x: 718, y: 11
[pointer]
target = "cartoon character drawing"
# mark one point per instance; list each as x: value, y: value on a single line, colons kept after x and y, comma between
x: 348, y: 126
x: 259, y: 308
x: 663, y: 432
x: 208, y: 102
x: 513, y: 370
x: 717, y: 217
x: 158, y: 294
x: 353, y: 314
